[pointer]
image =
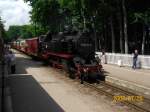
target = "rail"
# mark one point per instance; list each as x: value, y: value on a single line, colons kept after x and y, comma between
x: 111, y: 91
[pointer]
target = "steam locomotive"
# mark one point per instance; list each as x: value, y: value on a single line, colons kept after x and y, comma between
x: 72, y: 51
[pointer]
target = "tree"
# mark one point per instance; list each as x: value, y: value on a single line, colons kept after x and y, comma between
x: 1, y: 28
x: 24, y: 31
x: 46, y: 14
x: 2, y: 31
x: 139, y: 16
x: 32, y: 2
x: 108, y: 20
x: 125, y: 26
x: 143, y: 18
x: 13, y: 32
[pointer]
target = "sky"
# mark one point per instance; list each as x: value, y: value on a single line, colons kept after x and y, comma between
x: 14, y: 12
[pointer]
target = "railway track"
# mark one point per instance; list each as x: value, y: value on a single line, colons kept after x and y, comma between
x: 111, y: 91
x: 142, y: 105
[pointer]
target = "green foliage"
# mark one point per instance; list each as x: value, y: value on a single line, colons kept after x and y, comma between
x: 32, y: 2
x: 45, y: 13
x: 13, y: 32
x: 25, y: 31
x: 100, y: 16
x: 2, y: 30
x: 142, y: 17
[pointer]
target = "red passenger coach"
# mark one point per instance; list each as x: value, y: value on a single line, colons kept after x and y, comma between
x: 32, y: 46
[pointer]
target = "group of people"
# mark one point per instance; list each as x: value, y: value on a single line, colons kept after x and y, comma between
x: 10, y: 60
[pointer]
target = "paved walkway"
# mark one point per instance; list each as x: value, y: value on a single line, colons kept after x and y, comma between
x: 139, y: 76
x: 28, y: 96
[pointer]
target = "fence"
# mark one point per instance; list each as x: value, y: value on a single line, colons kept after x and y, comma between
x: 127, y: 59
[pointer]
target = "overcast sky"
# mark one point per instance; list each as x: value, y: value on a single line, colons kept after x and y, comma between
x: 14, y: 12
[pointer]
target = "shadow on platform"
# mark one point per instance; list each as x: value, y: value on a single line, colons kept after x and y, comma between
x: 28, y: 96
x: 23, y: 63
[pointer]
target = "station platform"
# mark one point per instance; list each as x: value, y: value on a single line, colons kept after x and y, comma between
x: 137, y: 80
x: 27, y: 95
x: 23, y: 93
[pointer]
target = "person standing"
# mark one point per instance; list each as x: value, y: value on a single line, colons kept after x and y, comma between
x: 7, y: 59
x: 103, y: 57
x: 135, y: 58
x: 13, y: 65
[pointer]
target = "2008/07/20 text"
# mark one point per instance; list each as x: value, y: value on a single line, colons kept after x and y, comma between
x: 128, y: 98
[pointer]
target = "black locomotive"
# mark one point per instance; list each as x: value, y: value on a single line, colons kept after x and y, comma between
x: 80, y: 49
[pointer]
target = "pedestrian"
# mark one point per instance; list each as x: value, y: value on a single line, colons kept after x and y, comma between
x: 7, y: 59
x: 13, y: 64
x: 98, y: 60
x: 103, y: 57
x: 135, y: 58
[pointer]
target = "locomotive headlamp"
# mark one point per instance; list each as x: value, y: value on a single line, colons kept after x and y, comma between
x: 46, y: 46
x: 85, y: 69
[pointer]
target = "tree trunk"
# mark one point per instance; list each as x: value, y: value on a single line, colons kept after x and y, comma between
x: 121, y: 32
x: 125, y: 26
x: 94, y: 32
x: 99, y: 44
x: 143, y: 40
x: 84, y: 19
x: 112, y: 34
x: 83, y: 14
x: 104, y: 36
